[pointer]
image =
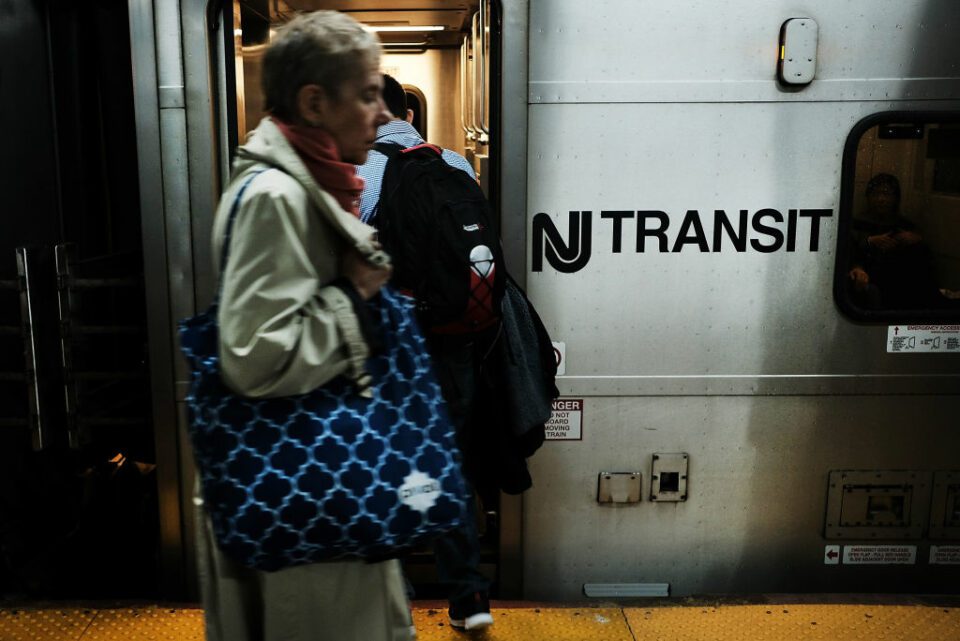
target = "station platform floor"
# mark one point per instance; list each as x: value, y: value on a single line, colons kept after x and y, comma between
x: 774, y: 618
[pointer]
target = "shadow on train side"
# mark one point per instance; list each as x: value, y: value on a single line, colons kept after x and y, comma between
x: 844, y: 424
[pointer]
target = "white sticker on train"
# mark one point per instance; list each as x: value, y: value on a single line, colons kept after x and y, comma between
x: 566, y: 421
x: 907, y: 339
x: 945, y: 555
x: 879, y: 554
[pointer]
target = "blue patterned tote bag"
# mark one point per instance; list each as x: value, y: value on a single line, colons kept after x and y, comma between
x: 332, y: 473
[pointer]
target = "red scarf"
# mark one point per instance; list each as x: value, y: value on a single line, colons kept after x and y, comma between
x: 318, y: 151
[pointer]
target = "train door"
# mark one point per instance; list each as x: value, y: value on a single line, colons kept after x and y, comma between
x: 78, y: 497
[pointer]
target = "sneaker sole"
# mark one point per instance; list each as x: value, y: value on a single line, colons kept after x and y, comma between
x: 478, y: 621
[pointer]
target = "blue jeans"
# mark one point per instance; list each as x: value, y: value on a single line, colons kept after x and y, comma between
x: 457, y: 362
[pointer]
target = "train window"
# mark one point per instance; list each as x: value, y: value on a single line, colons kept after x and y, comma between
x: 417, y: 103
x: 898, y: 246
x: 944, y: 150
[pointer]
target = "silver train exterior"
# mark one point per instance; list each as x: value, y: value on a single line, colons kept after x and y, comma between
x: 617, y: 119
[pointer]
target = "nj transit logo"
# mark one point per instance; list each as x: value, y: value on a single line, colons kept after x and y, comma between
x: 764, y: 231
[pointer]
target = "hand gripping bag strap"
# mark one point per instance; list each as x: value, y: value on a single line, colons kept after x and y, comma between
x: 327, y: 474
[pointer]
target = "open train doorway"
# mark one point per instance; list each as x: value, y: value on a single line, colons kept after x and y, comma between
x: 443, y: 52
x: 446, y: 55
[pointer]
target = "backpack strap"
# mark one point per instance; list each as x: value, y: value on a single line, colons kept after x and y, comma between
x: 388, y: 149
x: 425, y: 145
x: 392, y: 149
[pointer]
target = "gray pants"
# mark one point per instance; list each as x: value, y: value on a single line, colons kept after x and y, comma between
x: 335, y: 601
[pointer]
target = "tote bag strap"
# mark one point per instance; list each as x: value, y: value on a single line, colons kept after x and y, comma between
x: 225, y: 251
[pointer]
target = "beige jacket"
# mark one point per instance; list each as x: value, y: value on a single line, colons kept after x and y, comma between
x: 283, y: 329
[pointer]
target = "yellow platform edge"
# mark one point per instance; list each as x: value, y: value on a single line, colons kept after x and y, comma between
x: 519, y: 621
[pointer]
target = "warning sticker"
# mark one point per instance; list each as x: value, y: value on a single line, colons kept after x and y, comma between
x: 879, y: 554
x: 945, y: 555
x: 907, y: 339
x: 566, y: 421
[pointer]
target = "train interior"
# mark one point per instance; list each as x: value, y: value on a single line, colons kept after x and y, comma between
x: 440, y: 51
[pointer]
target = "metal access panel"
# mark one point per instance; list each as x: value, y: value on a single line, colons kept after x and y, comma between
x: 668, y: 478
x: 945, y: 506
x: 619, y: 487
x: 877, y: 504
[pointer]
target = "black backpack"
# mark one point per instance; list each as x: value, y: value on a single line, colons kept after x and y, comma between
x: 436, y: 224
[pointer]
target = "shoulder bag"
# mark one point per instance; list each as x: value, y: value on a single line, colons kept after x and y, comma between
x: 332, y: 473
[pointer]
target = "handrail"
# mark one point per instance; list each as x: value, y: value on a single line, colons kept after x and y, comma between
x: 467, y: 129
x: 482, y: 63
x: 37, y: 422
x: 62, y: 256
x: 476, y: 36
x: 473, y: 74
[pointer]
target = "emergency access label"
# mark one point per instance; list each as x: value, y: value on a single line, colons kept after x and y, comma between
x: 566, y: 420
x: 879, y: 554
x: 908, y: 339
x: 945, y: 555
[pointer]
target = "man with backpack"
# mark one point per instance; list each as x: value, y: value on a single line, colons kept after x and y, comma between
x: 436, y: 224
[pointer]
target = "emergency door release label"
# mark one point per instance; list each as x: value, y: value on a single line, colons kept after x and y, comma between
x: 908, y: 339
x: 945, y: 555
x: 566, y: 420
x: 879, y: 554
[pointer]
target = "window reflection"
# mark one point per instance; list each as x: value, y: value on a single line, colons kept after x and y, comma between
x: 903, y: 238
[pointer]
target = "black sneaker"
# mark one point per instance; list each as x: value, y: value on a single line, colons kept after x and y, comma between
x: 472, y: 613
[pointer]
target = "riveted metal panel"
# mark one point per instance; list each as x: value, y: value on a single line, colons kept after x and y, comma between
x: 668, y: 477
x: 877, y: 504
x: 704, y: 51
x: 945, y: 505
x: 680, y: 318
x: 753, y: 520
x: 735, y: 355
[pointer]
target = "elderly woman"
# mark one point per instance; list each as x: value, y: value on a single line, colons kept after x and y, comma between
x: 291, y: 315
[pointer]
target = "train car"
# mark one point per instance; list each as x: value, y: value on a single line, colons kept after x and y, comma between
x: 758, y: 340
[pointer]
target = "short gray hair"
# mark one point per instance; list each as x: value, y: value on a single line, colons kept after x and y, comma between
x: 324, y: 48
